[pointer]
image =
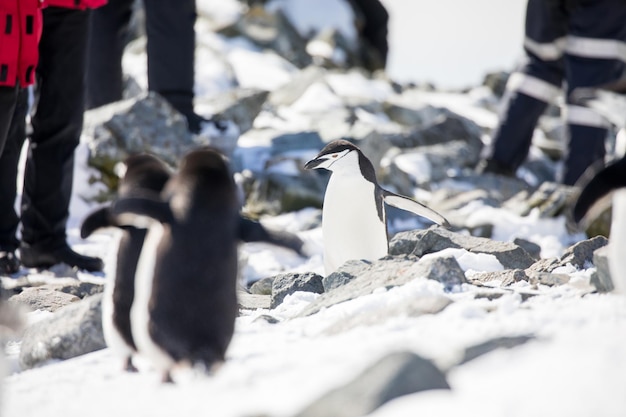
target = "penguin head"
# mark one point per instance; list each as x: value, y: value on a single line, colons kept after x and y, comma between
x: 338, y: 155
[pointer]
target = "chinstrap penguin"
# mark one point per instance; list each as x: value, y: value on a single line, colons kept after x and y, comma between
x: 608, y: 184
x: 185, y: 285
x: 354, y: 222
x: 144, y: 175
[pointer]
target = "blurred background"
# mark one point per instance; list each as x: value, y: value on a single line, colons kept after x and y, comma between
x: 453, y: 43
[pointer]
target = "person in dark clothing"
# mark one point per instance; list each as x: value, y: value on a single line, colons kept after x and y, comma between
x: 578, y: 43
x: 374, y: 20
x: 57, y: 124
x: 18, y: 58
x: 170, y: 51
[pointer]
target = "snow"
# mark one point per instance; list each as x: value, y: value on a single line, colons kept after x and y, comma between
x: 574, y: 366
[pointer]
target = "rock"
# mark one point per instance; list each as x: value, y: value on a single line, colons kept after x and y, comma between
x: 496, y: 81
x: 71, y: 331
x: 275, y: 193
x: 448, y: 127
x: 412, y: 117
x: 262, y: 286
x: 531, y: 248
x: 601, y: 279
x: 252, y: 301
x: 394, y: 375
x: 443, y: 269
x: 43, y: 298
x: 475, y: 351
x: 434, y: 239
x: 506, y: 277
x: 550, y: 199
x: 293, y: 90
x: 433, y: 163
x: 581, y: 253
x: 241, y: 106
x: 346, y: 273
x: 388, y: 272
x: 286, y: 284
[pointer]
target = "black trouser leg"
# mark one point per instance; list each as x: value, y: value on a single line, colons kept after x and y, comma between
x: 9, y: 160
x: 171, y: 48
x: 57, y: 126
x: 107, y: 39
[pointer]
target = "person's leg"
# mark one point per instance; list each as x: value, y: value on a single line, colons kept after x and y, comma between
x: 593, y: 57
x: 374, y: 31
x: 531, y: 89
x: 107, y: 40
x: 14, y: 106
x: 171, y: 49
x: 57, y: 125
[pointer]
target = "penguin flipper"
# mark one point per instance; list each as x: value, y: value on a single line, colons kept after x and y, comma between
x: 141, y: 212
x: 98, y: 219
x: 408, y: 204
x: 252, y: 231
x: 599, y: 189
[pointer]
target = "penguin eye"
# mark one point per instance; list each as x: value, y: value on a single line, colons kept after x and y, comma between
x: 335, y: 155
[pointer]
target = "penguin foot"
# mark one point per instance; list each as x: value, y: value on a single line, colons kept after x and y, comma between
x: 128, y: 365
x: 166, y: 378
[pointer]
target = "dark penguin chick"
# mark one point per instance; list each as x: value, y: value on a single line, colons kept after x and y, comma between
x: 354, y: 224
x: 144, y: 175
x: 608, y: 184
x: 185, y: 306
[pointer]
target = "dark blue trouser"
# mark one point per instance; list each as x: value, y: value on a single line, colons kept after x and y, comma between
x: 562, y: 29
x: 170, y: 50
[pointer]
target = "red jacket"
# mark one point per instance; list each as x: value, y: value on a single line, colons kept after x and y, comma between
x: 76, y: 4
x: 20, y: 30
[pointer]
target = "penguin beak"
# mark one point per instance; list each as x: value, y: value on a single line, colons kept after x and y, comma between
x: 313, y: 163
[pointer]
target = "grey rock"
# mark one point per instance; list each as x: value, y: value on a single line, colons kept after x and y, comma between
x: 241, y: 106
x: 293, y: 90
x: 506, y: 277
x: 274, y: 193
x: 443, y: 269
x: 531, y: 248
x: 476, y: 351
x: 413, y: 117
x: 344, y: 274
x: 446, y: 128
x: 550, y: 199
x: 392, y: 376
x: 388, y: 272
x: 601, y: 279
x: 434, y: 239
x: 289, y: 142
x: 496, y: 81
x: 71, y: 331
x: 435, y: 161
x: 252, y: 301
x: 262, y: 286
x: 286, y: 284
x: 550, y: 279
x: 274, y: 31
x: 579, y: 255
x: 44, y: 298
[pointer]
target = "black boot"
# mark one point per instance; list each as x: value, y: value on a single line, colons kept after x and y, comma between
x: 9, y: 264
x: 39, y: 257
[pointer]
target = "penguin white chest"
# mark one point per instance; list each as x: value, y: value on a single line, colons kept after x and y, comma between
x: 351, y: 224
